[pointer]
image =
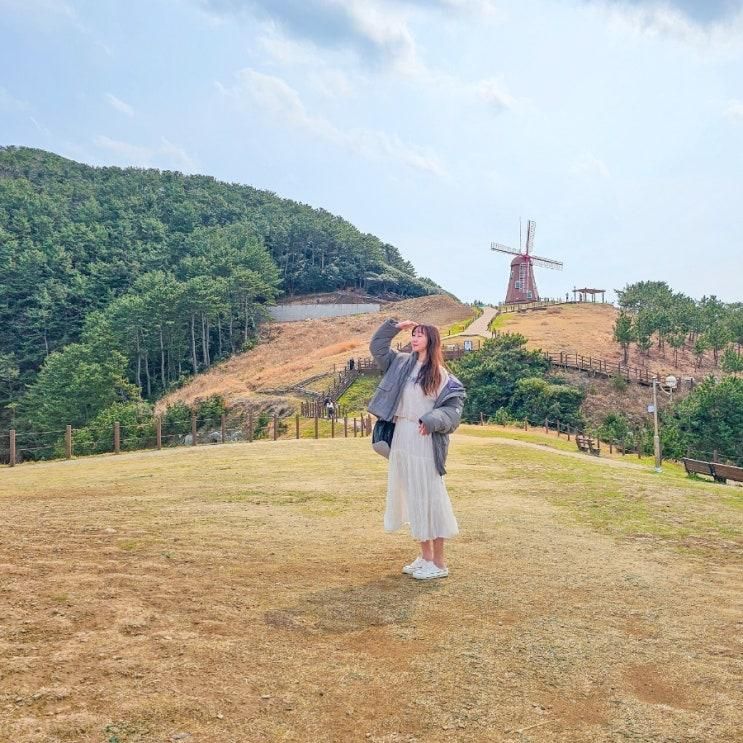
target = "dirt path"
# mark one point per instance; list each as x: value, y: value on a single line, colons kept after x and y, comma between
x: 246, y: 592
x: 585, y: 458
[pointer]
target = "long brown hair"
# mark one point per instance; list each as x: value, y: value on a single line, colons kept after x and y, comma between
x: 429, y: 377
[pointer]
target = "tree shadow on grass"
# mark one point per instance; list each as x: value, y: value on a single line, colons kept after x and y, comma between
x: 389, y: 600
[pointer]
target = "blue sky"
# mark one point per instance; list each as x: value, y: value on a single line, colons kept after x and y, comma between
x: 616, y: 125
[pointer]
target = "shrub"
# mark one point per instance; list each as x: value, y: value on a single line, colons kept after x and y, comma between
x: 619, y: 383
x: 536, y: 399
x: 177, y: 420
x: 137, y: 428
x: 614, y: 427
x: 501, y: 417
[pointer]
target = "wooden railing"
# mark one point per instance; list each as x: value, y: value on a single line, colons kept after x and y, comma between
x: 525, y: 306
x: 601, y: 367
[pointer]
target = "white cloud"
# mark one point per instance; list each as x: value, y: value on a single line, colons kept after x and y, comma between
x: 734, y: 110
x: 717, y: 28
x: 326, y: 79
x: 119, y: 105
x: 134, y: 154
x: 274, y: 96
x: 495, y: 95
x: 589, y: 166
x: 177, y: 155
x: 374, y: 30
x: 166, y: 155
x: 41, y: 129
x: 10, y: 103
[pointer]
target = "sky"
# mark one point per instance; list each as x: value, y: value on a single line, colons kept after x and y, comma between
x: 437, y: 125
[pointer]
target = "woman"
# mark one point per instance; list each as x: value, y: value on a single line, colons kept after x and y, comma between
x: 425, y: 402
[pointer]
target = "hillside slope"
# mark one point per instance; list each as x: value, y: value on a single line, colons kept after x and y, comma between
x: 588, y: 329
x: 297, y: 350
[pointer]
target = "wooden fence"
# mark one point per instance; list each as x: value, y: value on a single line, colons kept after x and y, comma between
x: 449, y: 350
x: 601, y: 367
x: 629, y: 444
x: 16, y: 447
x: 526, y: 306
x: 153, y: 434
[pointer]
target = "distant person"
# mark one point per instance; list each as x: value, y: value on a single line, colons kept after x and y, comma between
x: 425, y: 402
x: 331, y: 410
x: 326, y: 404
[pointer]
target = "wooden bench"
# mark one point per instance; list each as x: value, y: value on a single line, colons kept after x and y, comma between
x: 588, y: 444
x: 698, y: 467
x: 719, y: 472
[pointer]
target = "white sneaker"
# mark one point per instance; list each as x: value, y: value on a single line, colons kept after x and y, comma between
x: 417, y: 563
x: 429, y: 571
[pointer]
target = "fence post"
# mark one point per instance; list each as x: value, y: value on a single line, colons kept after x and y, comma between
x: 223, y: 426
x: 558, y: 429
x: 368, y: 425
x: 296, y: 423
x: 568, y: 432
x: 715, y: 456
x: 332, y: 426
x: 482, y: 419
x: 250, y: 426
x: 275, y: 426
x: 68, y: 441
x: 354, y: 427
x: 611, y: 446
x: 317, y: 434
x: 526, y: 424
x: 345, y: 426
x: 11, y: 461
x: 159, y: 431
x: 546, y: 425
x: 193, y: 428
x: 117, y: 437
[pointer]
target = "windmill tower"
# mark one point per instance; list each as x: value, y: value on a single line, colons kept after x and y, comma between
x: 521, y: 284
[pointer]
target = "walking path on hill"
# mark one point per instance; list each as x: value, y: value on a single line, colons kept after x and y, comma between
x: 480, y: 326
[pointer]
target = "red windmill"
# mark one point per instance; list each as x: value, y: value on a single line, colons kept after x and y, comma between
x: 521, y: 284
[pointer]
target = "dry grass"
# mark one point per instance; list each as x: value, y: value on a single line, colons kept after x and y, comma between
x: 588, y: 329
x: 246, y: 592
x: 298, y: 350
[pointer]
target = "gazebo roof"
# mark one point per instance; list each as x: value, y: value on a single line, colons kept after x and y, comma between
x: 590, y: 291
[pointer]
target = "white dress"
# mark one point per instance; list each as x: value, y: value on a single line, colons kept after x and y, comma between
x: 416, y: 493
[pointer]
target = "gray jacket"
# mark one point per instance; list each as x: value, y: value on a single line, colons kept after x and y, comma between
x: 396, y: 366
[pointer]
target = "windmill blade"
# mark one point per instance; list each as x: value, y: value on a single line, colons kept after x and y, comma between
x: 546, y: 262
x: 530, y: 230
x: 504, y: 249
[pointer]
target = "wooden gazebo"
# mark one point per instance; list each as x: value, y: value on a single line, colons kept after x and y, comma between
x: 583, y: 294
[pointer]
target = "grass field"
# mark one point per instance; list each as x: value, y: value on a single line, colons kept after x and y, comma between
x: 247, y: 592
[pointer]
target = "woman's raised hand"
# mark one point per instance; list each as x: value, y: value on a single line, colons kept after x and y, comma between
x: 406, y: 324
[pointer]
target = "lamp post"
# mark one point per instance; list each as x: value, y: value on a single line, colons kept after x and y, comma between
x: 670, y: 383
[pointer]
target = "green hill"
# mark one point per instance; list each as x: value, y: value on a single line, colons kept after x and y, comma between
x: 172, y: 271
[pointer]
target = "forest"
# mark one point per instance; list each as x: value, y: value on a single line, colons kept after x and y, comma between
x: 147, y: 277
